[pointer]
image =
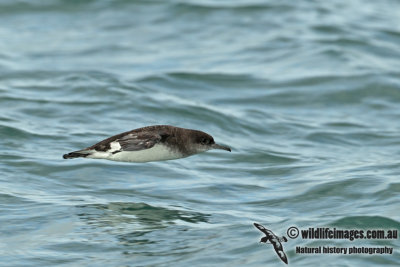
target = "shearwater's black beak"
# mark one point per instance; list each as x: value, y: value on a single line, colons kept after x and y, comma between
x: 216, y: 146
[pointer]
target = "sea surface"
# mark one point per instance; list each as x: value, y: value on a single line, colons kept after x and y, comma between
x: 306, y: 93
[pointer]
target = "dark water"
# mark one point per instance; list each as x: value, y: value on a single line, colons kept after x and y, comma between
x: 306, y: 93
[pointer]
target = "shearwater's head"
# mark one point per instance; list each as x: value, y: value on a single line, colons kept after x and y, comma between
x: 201, y: 142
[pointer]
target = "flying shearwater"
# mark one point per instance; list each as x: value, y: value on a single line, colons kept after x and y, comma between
x: 151, y: 143
x: 274, y: 240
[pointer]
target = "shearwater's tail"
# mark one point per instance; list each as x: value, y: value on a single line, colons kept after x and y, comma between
x: 77, y: 154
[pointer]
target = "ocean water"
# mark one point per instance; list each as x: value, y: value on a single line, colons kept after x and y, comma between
x: 306, y: 93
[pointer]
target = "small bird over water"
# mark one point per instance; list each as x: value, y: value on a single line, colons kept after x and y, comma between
x: 151, y: 143
x: 274, y: 240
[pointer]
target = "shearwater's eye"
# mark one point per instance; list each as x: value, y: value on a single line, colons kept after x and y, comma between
x: 204, y: 141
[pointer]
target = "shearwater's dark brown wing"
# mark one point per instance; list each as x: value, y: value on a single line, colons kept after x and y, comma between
x: 138, y: 141
x: 135, y: 140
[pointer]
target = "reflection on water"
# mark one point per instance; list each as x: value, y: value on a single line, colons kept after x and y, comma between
x: 142, y: 229
x: 125, y: 217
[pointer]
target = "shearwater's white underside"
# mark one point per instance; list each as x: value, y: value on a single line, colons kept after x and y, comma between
x: 156, y: 153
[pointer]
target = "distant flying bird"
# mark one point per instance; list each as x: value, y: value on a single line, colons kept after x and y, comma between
x: 274, y: 240
x: 151, y: 143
